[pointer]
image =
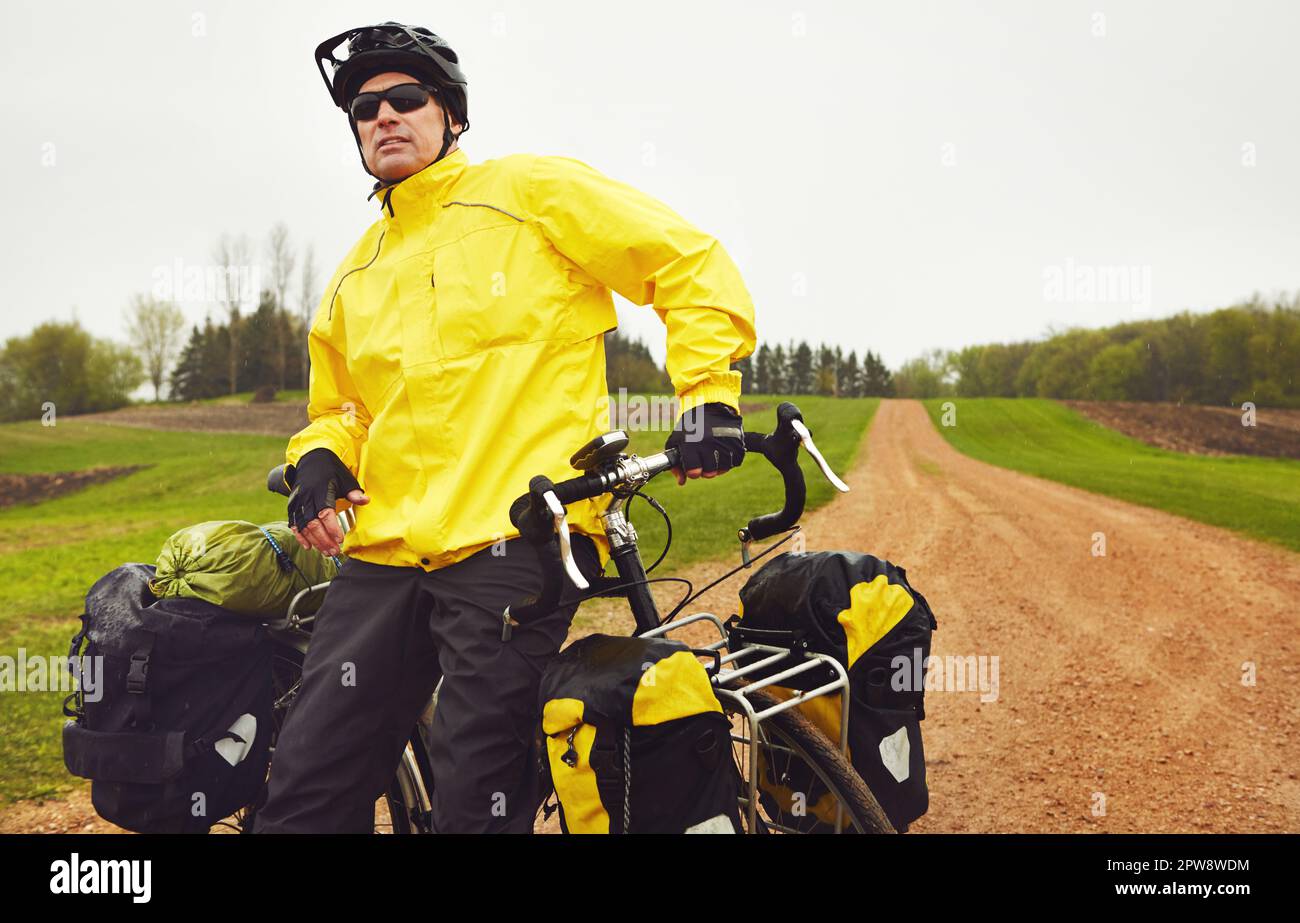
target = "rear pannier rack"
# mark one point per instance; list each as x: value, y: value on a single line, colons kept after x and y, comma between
x: 753, y: 658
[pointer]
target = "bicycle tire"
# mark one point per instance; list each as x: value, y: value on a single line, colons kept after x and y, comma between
x: 823, y: 756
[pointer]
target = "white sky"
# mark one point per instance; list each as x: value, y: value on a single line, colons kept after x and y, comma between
x: 921, y: 165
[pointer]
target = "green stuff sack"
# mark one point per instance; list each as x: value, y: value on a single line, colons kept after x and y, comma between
x: 617, y: 710
x: 245, y: 568
x: 862, y: 611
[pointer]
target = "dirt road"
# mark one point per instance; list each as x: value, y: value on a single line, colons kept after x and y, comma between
x: 1120, y: 677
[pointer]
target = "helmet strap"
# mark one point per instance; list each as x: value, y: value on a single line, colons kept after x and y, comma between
x: 447, y: 137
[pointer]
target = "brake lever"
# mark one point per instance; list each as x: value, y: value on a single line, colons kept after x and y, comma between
x: 806, y: 440
x: 557, y: 511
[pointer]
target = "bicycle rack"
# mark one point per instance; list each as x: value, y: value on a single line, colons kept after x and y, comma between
x: 755, y: 658
x: 734, y: 666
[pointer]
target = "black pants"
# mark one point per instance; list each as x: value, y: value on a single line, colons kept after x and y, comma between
x: 382, y: 639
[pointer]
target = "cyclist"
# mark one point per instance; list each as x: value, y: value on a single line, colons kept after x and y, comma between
x: 457, y: 352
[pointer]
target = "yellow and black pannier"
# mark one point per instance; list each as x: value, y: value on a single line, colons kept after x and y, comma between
x: 636, y: 740
x: 862, y: 611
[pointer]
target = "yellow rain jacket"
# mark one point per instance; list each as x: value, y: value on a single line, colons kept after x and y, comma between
x: 458, y: 351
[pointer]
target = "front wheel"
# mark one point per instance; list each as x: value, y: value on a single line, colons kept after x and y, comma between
x: 805, y: 784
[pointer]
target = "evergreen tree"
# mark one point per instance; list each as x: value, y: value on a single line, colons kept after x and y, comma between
x: 746, y: 369
x: 876, y: 378
x: 187, y: 375
x: 777, y: 377
x: 826, y: 372
x: 850, y: 385
x: 801, y: 370
x: 763, y: 370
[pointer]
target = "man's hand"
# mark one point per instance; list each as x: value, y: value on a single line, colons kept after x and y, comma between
x: 711, y: 441
x: 320, y: 478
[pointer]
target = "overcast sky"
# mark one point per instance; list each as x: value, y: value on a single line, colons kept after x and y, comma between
x: 894, y: 176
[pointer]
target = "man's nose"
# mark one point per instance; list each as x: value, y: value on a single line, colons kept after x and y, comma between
x: 387, y: 114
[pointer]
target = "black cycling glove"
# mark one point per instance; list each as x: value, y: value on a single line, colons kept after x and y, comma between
x: 320, y: 479
x: 710, y: 437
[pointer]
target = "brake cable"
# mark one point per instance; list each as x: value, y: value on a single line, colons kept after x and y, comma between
x: 668, y: 523
x: 735, y: 570
x: 609, y: 590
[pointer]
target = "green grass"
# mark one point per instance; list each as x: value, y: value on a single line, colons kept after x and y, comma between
x: 51, y: 553
x: 706, y: 513
x: 1259, y: 497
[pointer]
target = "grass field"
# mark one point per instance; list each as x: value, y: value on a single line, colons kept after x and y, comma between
x: 1259, y: 497
x: 51, y: 552
x: 706, y: 514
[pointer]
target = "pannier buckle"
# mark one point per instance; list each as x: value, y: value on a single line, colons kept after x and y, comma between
x: 570, y: 757
x: 138, y: 675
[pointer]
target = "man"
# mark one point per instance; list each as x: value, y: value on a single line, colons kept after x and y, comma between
x: 457, y: 353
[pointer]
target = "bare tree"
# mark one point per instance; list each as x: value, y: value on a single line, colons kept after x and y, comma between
x: 232, y: 255
x: 307, y: 299
x: 155, y: 328
x: 281, y: 259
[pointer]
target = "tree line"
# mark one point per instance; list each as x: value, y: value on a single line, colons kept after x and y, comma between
x: 62, y: 365
x: 1246, y: 352
x: 802, y: 369
x: 261, y: 351
x: 781, y: 369
x: 59, y: 368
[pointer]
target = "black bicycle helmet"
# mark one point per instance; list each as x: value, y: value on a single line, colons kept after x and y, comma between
x: 349, y: 59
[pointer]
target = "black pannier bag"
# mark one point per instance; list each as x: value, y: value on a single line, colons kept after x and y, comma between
x: 862, y: 611
x: 605, y: 699
x: 174, y: 729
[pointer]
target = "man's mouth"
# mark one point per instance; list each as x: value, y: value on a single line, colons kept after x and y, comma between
x: 389, y: 142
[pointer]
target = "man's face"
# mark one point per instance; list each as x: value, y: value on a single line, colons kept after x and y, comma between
x: 398, y: 144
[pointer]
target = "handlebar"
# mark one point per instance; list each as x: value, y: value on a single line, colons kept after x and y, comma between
x: 280, y: 480
x: 540, y: 513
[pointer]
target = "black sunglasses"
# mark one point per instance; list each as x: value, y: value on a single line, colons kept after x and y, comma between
x: 405, y: 97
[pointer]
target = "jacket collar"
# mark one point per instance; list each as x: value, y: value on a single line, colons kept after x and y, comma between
x: 427, y: 185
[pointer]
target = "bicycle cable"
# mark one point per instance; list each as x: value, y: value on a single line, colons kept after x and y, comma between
x: 668, y: 523
x: 735, y: 570
x: 631, y: 583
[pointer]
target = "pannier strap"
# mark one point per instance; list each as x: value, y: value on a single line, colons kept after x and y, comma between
x: 137, y: 679
x: 74, y: 650
x: 72, y: 705
x: 120, y: 757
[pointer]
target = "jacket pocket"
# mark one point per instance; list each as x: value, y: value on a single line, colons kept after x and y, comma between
x: 496, y: 287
